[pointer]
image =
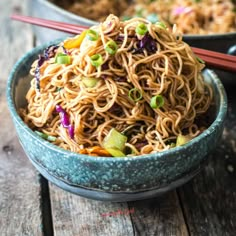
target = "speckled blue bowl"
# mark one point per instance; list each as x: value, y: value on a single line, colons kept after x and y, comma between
x: 113, y: 179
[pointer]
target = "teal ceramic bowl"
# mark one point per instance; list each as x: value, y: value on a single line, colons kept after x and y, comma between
x: 113, y: 179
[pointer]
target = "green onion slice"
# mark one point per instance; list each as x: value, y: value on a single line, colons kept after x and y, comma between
x: 92, y: 35
x: 96, y: 60
x: 182, y: 139
x: 111, y: 47
x: 114, y: 142
x: 161, y: 25
x: 90, y: 82
x: 157, y: 101
x: 62, y: 58
x: 135, y: 94
x: 200, y: 60
x: 115, y: 152
x: 141, y: 29
x: 45, y: 136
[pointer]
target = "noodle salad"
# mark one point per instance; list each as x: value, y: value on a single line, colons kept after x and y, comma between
x: 120, y: 88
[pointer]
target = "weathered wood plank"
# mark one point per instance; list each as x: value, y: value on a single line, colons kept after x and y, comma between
x: 158, y: 216
x: 19, y: 185
x: 74, y: 215
x: 210, y: 199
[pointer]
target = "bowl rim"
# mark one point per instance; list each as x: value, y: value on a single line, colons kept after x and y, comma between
x: 88, y: 21
x: 219, y: 119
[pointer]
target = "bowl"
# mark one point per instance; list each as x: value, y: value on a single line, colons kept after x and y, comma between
x: 107, y: 178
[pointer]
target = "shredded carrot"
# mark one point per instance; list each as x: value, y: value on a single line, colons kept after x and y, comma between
x: 95, y: 151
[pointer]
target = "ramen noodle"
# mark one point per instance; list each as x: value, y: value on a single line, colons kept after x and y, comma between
x: 120, y: 88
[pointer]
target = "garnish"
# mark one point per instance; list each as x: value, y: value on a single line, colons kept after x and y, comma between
x: 141, y: 29
x: 90, y: 82
x: 200, y: 60
x: 96, y: 60
x: 182, y: 139
x: 114, y: 143
x: 135, y: 94
x: 62, y: 58
x: 92, y: 35
x: 111, y: 47
x: 46, y: 136
x: 157, y: 101
x: 161, y: 24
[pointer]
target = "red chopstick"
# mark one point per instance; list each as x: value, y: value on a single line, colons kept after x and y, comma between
x: 51, y: 24
x: 211, y: 58
x: 216, y: 59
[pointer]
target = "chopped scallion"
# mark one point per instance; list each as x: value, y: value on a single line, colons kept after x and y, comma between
x: 62, y: 58
x: 157, y: 101
x: 115, y: 152
x: 45, y: 136
x: 200, y: 60
x: 90, y: 82
x: 96, y: 60
x: 182, y: 139
x: 114, y: 142
x: 92, y: 35
x: 135, y: 94
x: 141, y: 29
x: 111, y: 47
x: 161, y: 25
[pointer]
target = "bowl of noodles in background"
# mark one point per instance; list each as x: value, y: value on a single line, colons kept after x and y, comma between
x: 209, y: 24
x: 124, y: 111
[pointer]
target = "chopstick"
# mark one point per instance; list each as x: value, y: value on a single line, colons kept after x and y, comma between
x: 211, y: 58
x: 216, y: 59
x: 51, y: 24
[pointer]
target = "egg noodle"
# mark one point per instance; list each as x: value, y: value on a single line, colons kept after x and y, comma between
x: 137, y: 78
x: 190, y: 16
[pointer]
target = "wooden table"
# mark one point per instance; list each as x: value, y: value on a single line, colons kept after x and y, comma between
x: 29, y: 205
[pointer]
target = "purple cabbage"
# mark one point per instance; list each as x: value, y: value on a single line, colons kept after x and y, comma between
x: 116, y: 109
x: 65, y: 120
x: 146, y: 43
x: 71, y: 131
x: 48, y: 53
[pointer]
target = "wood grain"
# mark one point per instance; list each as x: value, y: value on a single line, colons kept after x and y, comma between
x: 19, y: 186
x: 158, y: 216
x: 210, y: 199
x: 74, y: 215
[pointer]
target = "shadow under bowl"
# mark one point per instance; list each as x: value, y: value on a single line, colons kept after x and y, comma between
x: 107, y: 178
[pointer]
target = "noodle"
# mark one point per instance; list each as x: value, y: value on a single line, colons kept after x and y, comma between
x: 156, y: 64
x: 190, y: 16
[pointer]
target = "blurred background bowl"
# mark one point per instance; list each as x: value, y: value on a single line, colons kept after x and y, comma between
x: 108, y: 178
